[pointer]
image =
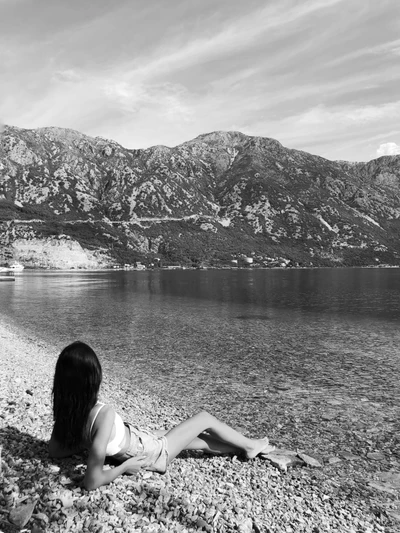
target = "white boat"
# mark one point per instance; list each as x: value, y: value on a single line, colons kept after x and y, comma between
x: 6, y: 274
x: 16, y: 267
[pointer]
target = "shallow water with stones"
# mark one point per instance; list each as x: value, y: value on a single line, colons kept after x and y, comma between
x: 286, y: 353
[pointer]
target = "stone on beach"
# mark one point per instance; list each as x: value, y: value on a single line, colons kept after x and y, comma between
x: 20, y: 515
x: 349, y: 456
x: 246, y: 526
x: 282, y: 459
x: 310, y: 461
x: 390, y: 479
x: 334, y: 460
x: 381, y: 487
x: 376, y: 456
x: 329, y: 415
x: 394, y: 513
x: 66, y: 499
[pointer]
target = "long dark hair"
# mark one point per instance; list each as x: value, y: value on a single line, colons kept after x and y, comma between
x: 77, y: 380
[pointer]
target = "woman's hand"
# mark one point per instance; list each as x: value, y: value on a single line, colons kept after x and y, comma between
x: 134, y: 464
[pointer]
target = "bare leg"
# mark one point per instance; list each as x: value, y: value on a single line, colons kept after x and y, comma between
x: 212, y: 445
x: 206, y: 443
x: 184, y: 434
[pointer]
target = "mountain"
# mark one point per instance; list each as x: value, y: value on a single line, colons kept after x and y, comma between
x: 70, y: 200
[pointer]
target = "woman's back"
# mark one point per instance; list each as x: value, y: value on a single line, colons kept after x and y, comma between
x: 118, y: 432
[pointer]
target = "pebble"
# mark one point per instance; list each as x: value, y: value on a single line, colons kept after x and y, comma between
x: 41, y: 516
x: 310, y: 461
x: 349, y: 456
x: 20, y: 515
x: 67, y: 500
x: 329, y: 416
x: 246, y: 526
x: 37, y: 529
x: 283, y: 462
x: 334, y: 402
x: 376, y: 456
x: 394, y: 514
x: 202, y: 524
x: 392, y: 478
x: 381, y: 487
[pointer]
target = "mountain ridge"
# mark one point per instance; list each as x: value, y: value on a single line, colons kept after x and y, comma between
x: 210, y: 199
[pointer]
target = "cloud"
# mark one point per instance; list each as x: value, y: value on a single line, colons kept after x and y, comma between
x: 388, y: 149
x: 331, y: 131
x: 168, y: 99
x: 350, y: 115
x: 388, y: 48
x: 327, y: 122
x: 236, y: 35
x: 67, y: 75
x: 128, y: 95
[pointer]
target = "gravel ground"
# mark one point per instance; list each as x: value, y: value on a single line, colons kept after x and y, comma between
x: 198, y: 493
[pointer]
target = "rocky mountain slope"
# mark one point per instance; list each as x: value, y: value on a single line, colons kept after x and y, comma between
x: 69, y: 200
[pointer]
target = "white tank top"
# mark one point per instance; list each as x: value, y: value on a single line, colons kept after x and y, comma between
x: 114, y: 445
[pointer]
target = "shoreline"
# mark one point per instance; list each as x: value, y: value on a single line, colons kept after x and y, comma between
x: 198, y: 492
x: 112, y: 269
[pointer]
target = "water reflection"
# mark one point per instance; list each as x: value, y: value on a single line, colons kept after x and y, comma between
x: 196, y: 335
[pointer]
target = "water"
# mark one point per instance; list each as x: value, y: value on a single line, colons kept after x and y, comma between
x: 225, y: 339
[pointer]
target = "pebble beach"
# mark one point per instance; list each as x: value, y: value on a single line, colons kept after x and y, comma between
x: 355, y: 492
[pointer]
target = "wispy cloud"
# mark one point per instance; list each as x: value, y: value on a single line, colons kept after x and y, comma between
x: 168, y: 98
x: 381, y: 49
x: 237, y: 34
x: 347, y: 115
x: 68, y: 75
x: 320, y: 129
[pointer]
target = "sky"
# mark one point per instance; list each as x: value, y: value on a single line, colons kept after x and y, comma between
x: 317, y: 75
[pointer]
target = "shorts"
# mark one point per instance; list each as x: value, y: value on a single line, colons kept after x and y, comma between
x: 153, y: 447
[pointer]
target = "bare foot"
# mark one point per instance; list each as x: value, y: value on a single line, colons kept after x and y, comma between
x: 259, y: 446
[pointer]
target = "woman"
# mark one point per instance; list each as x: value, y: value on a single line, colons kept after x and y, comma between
x: 81, y: 422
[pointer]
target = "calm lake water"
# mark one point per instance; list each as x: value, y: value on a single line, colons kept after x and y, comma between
x: 202, y: 338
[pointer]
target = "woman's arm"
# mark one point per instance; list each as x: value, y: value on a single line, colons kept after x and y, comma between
x: 95, y: 475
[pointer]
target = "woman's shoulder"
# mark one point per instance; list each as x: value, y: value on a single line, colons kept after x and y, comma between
x: 100, y: 409
x: 101, y: 418
x: 100, y: 413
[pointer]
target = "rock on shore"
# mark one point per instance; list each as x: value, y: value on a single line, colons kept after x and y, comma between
x: 198, y: 493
